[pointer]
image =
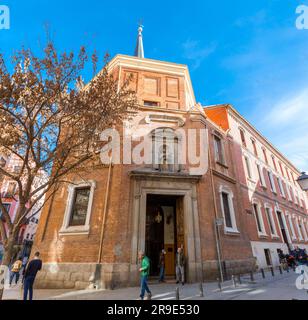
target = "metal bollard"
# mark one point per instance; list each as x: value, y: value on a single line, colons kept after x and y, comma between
x: 239, y: 279
x: 219, y: 284
x: 303, y: 279
x: 252, y: 279
x: 280, y: 269
x: 201, y: 290
x: 263, y: 273
x: 272, y: 271
x: 177, y: 293
x: 233, y: 281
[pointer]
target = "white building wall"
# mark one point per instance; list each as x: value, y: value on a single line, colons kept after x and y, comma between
x: 258, y: 252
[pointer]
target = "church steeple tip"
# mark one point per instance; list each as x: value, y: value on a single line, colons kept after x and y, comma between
x: 139, y: 52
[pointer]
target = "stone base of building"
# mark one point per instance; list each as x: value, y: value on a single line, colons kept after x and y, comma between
x: 211, y: 269
x: 78, y: 276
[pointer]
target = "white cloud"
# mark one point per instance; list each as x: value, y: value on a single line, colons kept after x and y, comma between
x: 287, y: 125
x: 271, y: 73
x: 257, y: 19
x: 193, y: 51
x: 293, y: 109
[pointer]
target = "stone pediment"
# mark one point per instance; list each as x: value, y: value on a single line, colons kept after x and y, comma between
x: 164, y: 118
x: 150, y: 173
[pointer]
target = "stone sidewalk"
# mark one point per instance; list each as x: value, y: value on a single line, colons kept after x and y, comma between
x: 279, y: 287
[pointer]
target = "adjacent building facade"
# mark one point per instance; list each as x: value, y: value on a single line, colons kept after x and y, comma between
x: 230, y: 209
x: 273, y: 203
x: 9, y: 199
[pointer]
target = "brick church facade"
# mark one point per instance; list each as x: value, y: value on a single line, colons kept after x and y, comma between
x: 91, y: 231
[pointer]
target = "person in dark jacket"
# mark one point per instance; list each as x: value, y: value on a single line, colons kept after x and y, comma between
x: 299, y: 256
x: 32, y: 269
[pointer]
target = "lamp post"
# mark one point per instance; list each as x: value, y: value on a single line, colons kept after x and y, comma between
x: 303, y: 181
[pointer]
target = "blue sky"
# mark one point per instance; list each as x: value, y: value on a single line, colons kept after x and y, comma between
x: 247, y: 53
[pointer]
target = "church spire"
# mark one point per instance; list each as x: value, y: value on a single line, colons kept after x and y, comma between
x: 139, y: 52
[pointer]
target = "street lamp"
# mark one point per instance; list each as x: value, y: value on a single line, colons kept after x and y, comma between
x: 303, y: 181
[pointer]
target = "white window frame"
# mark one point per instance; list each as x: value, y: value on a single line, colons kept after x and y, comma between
x: 263, y: 231
x: 302, y: 223
x: 249, y: 173
x: 272, y: 182
x: 281, y: 188
x: 10, y: 207
x: 261, y: 174
x: 291, y: 226
x: 298, y: 229
x: 73, y: 230
x: 234, y: 229
x: 271, y: 220
x: 288, y: 192
x: 285, y: 224
x: 8, y: 185
x: 254, y: 143
x: 216, y: 149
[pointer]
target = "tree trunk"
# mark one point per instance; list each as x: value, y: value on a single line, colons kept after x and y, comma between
x: 7, y: 257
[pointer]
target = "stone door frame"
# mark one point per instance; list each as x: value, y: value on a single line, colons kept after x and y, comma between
x: 186, y: 188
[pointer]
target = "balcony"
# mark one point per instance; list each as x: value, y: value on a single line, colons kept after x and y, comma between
x: 8, y: 195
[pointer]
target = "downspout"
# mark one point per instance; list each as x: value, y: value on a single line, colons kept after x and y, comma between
x: 217, y: 236
x: 104, y: 212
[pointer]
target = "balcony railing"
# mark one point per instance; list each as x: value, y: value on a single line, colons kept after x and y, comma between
x: 8, y: 195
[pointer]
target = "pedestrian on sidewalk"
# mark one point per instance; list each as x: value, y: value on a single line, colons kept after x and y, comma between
x: 144, y: 274
x: 179, y: 266
x: 15, y: 271
x: 32, y: 269
x: 162, y: 266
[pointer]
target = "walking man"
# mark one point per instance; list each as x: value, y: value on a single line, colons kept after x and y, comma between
x: 179, y: 267
x: 33, y: 267
x: 144, y: 272
x: 162, y: 266
x: 15, y: 271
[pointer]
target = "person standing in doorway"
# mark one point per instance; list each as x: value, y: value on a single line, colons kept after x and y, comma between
x: 162, y: 266
x: 144, y: 274
x: 179, y: 267
x: 32, y: 269
x: 15, y: 271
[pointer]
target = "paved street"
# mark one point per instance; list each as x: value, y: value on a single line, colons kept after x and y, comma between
x: 280, y: 287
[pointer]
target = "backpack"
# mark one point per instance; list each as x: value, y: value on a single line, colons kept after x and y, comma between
x: 16, y: 266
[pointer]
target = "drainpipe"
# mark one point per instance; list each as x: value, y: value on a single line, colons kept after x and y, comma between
x: 217, y: 236
x: 104, y: 212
